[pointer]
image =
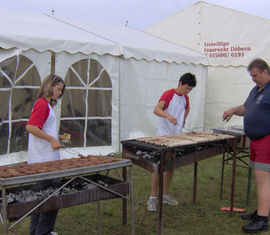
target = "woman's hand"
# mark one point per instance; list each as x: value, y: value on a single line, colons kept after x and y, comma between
x: 34, y: 130
x: 55, y: 144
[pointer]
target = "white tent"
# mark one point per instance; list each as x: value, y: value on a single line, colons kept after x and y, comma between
x: 114, y: 76
x: 230, y: 39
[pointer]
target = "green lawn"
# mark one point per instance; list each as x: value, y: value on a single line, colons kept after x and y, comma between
x: 203, y: 218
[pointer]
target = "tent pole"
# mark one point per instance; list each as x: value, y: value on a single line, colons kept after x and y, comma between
x: 52, y: 62
x: 119, y: 104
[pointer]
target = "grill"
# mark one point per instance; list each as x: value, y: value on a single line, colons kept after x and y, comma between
x: 100, y: 187
x: 160, y: 158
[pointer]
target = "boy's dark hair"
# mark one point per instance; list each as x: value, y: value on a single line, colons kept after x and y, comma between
x: 260, y: 64
x: 189, y: 79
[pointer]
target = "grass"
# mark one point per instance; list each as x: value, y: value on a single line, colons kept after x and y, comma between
x: 186, y: 219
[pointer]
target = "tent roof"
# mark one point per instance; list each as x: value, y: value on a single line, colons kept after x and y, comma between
x: 45, y: 32
x: 202, y: 26
x: 40, y: 32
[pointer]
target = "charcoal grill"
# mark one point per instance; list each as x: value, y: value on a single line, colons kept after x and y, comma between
x: 113, y: 189
x: 164, y: 158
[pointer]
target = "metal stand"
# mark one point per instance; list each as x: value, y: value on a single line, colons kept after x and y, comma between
x: 130, y: 179
x: 240, y: 155
x: 74, y: 173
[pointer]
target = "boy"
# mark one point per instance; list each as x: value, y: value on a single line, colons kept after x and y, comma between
x: 172, y: 109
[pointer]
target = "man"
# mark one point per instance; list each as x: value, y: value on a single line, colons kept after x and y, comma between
x: 172, y: 109
x: 256, y: 112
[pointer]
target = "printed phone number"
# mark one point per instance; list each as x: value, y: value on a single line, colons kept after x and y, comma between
x: 226, y: 55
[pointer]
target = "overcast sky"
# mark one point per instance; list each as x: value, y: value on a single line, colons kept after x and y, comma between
x: 140, y: 14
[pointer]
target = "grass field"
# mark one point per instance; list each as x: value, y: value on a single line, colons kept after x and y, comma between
x: 203, y: 218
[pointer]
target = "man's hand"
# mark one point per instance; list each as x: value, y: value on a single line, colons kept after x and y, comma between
x: 227, y: 115
x: 238, y: 110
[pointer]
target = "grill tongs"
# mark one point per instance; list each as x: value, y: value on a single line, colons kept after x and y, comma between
x: 223, y: 125
x: 71, y: 151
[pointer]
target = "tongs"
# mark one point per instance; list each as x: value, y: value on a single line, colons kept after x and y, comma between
x: 71, y: 151
x: 222, y: 124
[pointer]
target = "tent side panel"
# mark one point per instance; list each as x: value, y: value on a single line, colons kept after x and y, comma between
x: 142, y: 84
x: 110, y: 64
x: 23, y: 83
x: 226, y: 87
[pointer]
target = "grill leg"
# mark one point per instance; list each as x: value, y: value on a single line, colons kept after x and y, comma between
x: 131, y: 200
x: 233, y: 179
x: 4, y: 211
x: 222, y: 177
x: 98, y: 215
x: 124, y: 172
x: 160, y: 197
x: 195, y: 182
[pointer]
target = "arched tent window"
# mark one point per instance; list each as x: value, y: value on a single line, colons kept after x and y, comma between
x: 19, y: 84
x: 86, y: 111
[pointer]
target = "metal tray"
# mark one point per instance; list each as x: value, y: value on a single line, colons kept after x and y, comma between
x: 64, y: 173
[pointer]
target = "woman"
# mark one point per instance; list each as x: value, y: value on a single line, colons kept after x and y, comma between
x: 43, y: 143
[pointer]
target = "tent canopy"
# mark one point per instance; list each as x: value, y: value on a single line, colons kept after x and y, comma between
x: 45, y: 32
x: 228, y: 37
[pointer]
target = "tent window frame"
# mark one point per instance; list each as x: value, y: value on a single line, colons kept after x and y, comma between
x: 20, y: 73
x: 88, y: 85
